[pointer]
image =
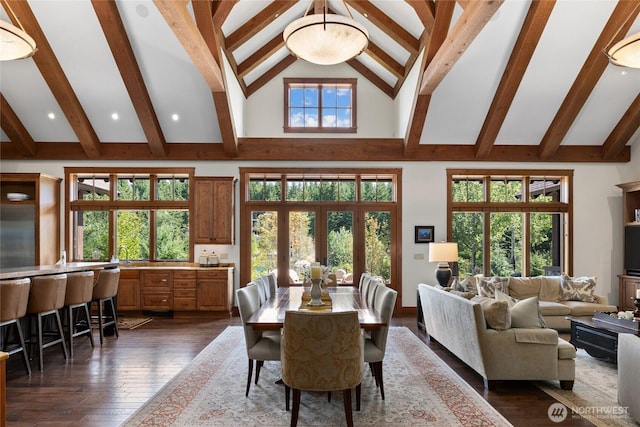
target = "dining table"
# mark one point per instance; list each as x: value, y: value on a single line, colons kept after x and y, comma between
x: 270, y: 316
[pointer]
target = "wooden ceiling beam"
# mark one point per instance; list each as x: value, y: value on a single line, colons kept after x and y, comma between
x: 386, y: 24
x: 116, y: 35
x: 385, y: 60
x: 528, y: 38
x: 220, y: 9
x: 624, y: 130
x: 213, y: 38
x: 619, y: 22
x: 269, y: 75
x: 15, y: 130
x: 57, y: 81
x: 257, y: 23
x: 371, y: 76
x: 260, y: 55
x: 179, y: 20
x: 465, y: 30
x: 426, y: 11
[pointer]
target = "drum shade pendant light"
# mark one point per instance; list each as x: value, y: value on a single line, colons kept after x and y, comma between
x: 326, y: 38
x: 15, y: 43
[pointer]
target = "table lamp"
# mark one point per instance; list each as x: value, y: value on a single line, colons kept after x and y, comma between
x: 443, y: 253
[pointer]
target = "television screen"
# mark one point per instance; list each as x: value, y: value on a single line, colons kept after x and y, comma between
x: 632, y: 249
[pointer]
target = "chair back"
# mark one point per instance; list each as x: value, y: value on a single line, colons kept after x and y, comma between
x: 322, y: 351
x: 248, y: 300
x: 14, y: 297
x: 47, y: 293
x: 384, y: 304
x: 372, y: 289
x: 272, y: 278
x: 262, y: 297
x: 365, y: 278
x: 264, y: 282
x: 79, y: 287
x: 107, y: 283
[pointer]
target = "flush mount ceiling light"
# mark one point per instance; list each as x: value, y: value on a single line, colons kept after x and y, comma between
x: 15, y: 43
x: 626, y: 53
x: 326, y: 38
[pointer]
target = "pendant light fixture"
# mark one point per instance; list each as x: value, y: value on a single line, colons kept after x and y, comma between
x: 15, y: 43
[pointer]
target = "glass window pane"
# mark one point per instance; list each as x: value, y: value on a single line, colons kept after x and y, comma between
x: 295, y: 190
x: 172, y: 235
x: 378, y: 244
x: 347, y: 191
x: 506, y: 244
x: 340, y: 243
x: 311, y: 191
x: 344, y: 97
x: 468, y: 231
x: 93, y: 187
x: 91, y: 235
x: 133, y: 234
x: 172, y: 188
x: 329, y: 118
x: 264, y: 242
x: 296, y: 117
x: 296, y: 97
x: 329, y: 190
x: 302, y: 247
x: 506, y: 190
x: 311, y: 97
x: 344, y: 117
x: 329, y: 98
x: 133, y: 188
x: 311, y: 117
x: 544, y: 190
x: 467, y: 190
x: 546, y: 237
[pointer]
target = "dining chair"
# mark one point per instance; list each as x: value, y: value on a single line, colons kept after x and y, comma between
x: 260, y: 347
x: 375, y: 345
x: 370, y: 293
x: 364, y: 281
x: 262, y: 297
x: 104, y: 291
x: 322, y: 351
x: 272, y: 278
x: 264, y: 282
x: 14, y: 297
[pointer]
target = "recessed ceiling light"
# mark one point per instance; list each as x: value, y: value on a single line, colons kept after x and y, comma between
x: 623, y: 72
x: 175, y: 117
x: 51, y: 116
x: 115, y: 116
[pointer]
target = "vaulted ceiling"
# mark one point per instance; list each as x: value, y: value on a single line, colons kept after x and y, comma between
x: 492, y: 80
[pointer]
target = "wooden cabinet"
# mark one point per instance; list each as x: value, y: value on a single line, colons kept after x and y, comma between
x: 156, y: 292
x: 129, y: 290
x: 214, y: 210
x: 628, y: 286
x: 215, y: 290
x: 628, y: 283
x: 184, y: 290
x: 29, y: 219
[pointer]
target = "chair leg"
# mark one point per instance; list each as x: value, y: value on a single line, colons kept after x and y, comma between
x: 61, y: 334
x: 259, y: 364
x: 377, y: 367
x: 70, y: 319
x: 287, y: 394
x: 25, y: 356
x: 358, y: 395
x: 296, y: 407
x: 87, y: 314
x: 100, y: 321
x: 114, y: 316
x: 39, y: 340
x: 347, y: 406
x: 249, y: 377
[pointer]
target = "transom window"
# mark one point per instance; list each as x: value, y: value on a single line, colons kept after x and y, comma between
x: 511, y: 222
x: 320, y: 105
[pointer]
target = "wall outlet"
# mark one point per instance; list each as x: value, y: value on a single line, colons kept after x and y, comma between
x: 224, y: 256
x: 418, y: 256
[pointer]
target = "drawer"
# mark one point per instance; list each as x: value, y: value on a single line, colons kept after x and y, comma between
x: 188, y: 293
x: 184, y: 274
x: 184, y: 284
x: 184, y: 304
x: 156, y: 301
x: 212, y: 274
x: 157, y: 280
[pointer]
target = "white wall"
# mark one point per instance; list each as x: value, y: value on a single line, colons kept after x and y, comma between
x: 597, y: 209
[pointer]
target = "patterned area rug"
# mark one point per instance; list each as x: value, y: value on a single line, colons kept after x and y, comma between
x: 420, y: 390
x: 594, y: 395
x: 132, y: 322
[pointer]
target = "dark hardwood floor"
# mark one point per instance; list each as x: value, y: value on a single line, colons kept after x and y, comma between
x: 103, y: 386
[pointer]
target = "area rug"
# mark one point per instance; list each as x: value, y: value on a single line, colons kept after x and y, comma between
x: 594, y: 395
x: 420, y: 390
x: 132, y: 322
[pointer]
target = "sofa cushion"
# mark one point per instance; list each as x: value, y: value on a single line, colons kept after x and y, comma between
x: 524, y: 287
x: 496, y: 313
x: 549, y: 288
x: 577, y: 288
x: 488, y: 285
x: 579, y: 308
x: 524, y: 313
x: 549, y: 308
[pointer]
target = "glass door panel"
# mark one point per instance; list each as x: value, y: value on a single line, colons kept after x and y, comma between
x: 377, y: 244
x: 264, y: 242
x: 302, y: 244
x: 340, y: 245
x: 506, y: 244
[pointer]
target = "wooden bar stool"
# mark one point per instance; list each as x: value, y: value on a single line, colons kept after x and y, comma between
x: 14, y: 296
x: 77, y: 299
x: 46, y: 297
x: 104, y: 291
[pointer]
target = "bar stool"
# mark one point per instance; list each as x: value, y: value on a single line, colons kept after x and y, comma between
x: 46, y: 297
x: 14, y: 296
x: 104, y: 291
x: 77, y: 298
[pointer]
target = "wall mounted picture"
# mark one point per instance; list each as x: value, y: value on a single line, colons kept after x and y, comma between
x: 424, y: 233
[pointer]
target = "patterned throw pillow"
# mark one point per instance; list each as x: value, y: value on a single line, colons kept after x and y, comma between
x: 577, y: 288
x: 487, y: 286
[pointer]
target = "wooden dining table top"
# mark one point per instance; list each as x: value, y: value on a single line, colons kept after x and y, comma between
x: 343, y: 298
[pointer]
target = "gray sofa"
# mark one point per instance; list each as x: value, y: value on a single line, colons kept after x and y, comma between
x: 459, y: 325
x: 629, y: 374
x: 548, y: 289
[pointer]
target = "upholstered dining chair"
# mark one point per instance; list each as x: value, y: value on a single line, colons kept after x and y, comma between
x: 370, y: 294
x: 364, y: 282
x: 322, y: 351
x: 260, y: 347
x: 272, y: 278
x: 375, y: 345
x: 14, y: 297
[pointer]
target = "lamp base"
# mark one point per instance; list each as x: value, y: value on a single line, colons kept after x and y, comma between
x: 443, y: 274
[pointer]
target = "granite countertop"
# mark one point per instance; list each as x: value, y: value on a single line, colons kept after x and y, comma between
x: 44, y: 270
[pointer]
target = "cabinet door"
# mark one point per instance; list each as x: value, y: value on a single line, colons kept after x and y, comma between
x: 628, y: 287
x: 212, y: 295
x: 214, y: 210
x: 128, y: 293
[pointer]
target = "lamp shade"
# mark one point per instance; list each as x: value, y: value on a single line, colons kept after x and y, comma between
x: 325, y: 38
x: 443, y: 252
x: 15, y: 43
x: 626, y: 52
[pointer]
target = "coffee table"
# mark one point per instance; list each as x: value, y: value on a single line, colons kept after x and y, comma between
x: 598, y: 340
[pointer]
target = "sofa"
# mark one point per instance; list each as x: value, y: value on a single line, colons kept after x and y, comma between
x: 629, y: 374
x: 531, y: 353
x: 558, y: 296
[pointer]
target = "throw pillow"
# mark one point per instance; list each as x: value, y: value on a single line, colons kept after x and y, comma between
x: 524, y: 313
x: 487, y: 286
x: 466, y: 285
x: 496, y: 313
x: 463, y: 294
x: 524, y: 287
x: 577, y: 288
